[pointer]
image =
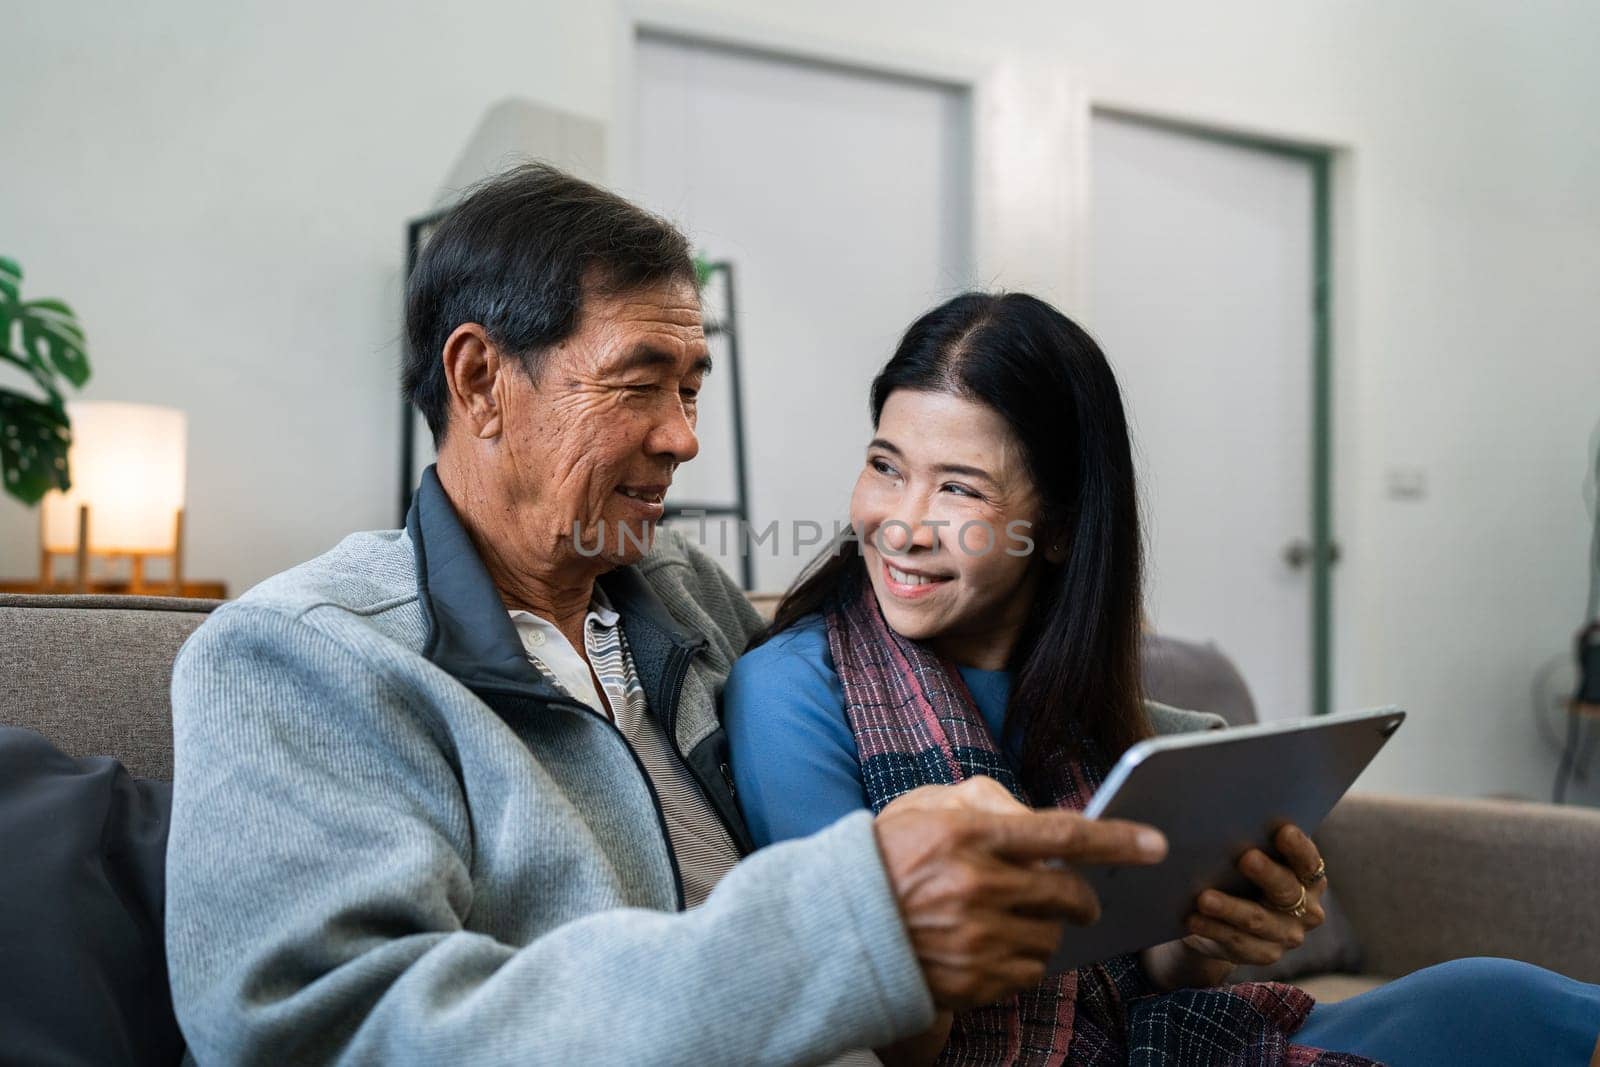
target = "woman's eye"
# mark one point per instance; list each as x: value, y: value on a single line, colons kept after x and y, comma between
x: 882, y: 467
x: 962, y: 490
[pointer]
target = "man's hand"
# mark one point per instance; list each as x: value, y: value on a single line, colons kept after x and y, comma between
x: 983, y: 909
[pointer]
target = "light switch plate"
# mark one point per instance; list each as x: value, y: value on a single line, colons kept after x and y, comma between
x: 1407, y: 483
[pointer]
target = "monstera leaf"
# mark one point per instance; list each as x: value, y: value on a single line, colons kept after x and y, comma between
x: 10, y: 302
x: 10, y: 281
x: 52, y: 338
x: 34, y: 438
x: 34, y: 432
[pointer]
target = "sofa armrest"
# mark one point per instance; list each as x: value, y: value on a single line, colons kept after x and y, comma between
x: 1425, y: 880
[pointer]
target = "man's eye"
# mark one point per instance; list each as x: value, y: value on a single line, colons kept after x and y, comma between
x: 882, y: 467
x: 962, y: 490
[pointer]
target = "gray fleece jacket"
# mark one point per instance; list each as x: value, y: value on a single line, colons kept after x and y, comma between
x: 393, y: 841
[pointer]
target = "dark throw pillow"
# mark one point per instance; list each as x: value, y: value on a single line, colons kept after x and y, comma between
x: 83, y: 976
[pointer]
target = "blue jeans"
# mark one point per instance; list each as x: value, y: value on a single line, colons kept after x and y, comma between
x: 1493, y: 1012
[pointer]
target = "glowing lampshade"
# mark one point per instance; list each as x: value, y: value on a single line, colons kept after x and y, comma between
x: 127, y: 464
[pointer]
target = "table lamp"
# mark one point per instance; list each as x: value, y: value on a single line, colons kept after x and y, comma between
x: 128, y: 469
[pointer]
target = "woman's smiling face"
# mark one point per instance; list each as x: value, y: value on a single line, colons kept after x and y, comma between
x: 948, y: 515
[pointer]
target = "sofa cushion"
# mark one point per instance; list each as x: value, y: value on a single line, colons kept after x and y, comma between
x: 84, y: 978
x: 1429, y: 879
x: 1186, y: 674
x: 92, y: 673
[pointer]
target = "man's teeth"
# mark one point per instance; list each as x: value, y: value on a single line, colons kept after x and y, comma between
x: 907, y: 578
x: 648, y: 498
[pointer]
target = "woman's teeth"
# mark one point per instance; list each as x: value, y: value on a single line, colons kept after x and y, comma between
x: 907, y: 578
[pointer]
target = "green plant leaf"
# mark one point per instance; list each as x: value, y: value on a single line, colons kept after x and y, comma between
x: 41, y: 373
x: 10, y: 280
x: 10, y: 297
x: 18, y: 361
x: 34, y: 438
x: 35, y: 434
x: 51, y: 337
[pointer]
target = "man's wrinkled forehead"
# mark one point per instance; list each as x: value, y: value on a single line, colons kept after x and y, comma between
x: 651, y: 325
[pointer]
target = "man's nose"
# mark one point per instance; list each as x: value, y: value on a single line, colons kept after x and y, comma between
x: 674, y: 436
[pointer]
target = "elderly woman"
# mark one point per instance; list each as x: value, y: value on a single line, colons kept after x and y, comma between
x: 984, y: 622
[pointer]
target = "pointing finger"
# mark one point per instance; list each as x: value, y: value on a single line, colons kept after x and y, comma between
x: 1068, y: 836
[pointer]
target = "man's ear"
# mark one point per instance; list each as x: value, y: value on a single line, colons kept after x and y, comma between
x: 472, y: 368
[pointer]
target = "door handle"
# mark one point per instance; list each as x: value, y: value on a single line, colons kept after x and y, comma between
x: 1297, y: 553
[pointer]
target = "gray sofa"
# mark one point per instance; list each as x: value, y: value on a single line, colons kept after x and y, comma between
x: 1420, y: 880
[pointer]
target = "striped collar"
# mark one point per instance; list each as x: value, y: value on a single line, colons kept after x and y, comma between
x: 553, y: 653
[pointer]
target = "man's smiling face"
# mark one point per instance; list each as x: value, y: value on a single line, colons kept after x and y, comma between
x: 591, y: 440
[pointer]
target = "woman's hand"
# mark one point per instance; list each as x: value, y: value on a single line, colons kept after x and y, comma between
x: 1234, y: 930
x: 1174, y: 965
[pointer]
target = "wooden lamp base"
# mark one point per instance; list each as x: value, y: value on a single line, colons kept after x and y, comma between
x: 83, y: 581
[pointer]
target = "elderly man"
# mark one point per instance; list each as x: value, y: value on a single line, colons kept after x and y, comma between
x: 457, y: 793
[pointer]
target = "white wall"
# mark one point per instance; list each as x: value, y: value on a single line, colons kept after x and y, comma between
x: 221, y: 190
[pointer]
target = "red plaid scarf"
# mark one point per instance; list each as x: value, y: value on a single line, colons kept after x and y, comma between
x: 916, y: 724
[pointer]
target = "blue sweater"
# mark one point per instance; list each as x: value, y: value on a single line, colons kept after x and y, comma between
x: 794, y: 757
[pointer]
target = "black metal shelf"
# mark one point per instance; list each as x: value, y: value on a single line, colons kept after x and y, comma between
x: 725, y: 330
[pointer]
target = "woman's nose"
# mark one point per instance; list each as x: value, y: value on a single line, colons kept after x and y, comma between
x: 896, y: 535
x: 909, y: 530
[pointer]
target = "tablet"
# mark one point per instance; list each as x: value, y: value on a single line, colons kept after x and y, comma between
x: 1215, y: 794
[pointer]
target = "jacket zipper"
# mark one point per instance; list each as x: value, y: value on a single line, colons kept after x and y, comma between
x: 655, y: 798
x: 679, y: 666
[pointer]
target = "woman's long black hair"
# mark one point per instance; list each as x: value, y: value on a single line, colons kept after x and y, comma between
x: 1076, y: 666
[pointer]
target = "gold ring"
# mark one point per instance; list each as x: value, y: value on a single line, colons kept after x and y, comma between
x: 1317, y: 875
x: 1298, y: 909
